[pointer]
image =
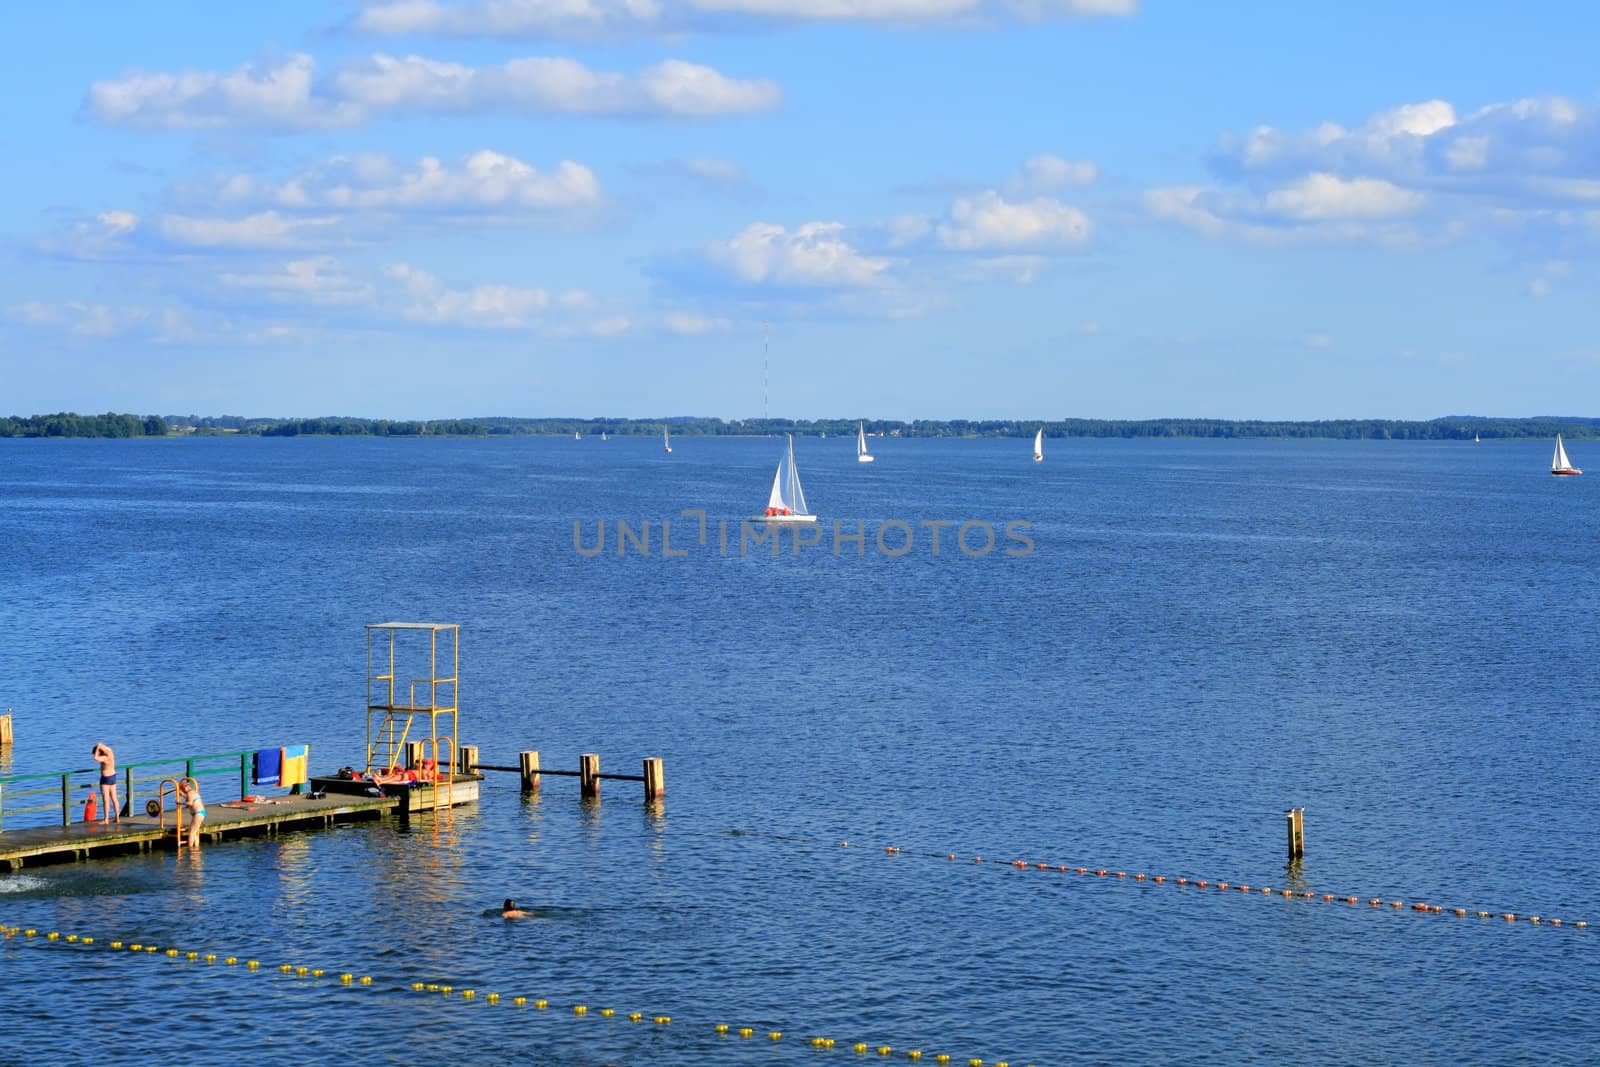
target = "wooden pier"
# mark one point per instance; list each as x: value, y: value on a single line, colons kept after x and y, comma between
x: 82, y: 840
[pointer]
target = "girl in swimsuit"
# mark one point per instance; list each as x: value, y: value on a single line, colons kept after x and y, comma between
x: 189, y: 796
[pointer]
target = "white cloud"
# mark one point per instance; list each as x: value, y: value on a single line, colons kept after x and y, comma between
x: 266, y: 229
x: 814, y: 254
x: 1319, y: 341
x: 105, y: 236
x: 1047, y: 173
x: 257, y: 94
x: 988, y: 220
x: 80, y: 319
x: 427, y: 299
x: 484, y: 181
x: 1327, y: 196
x: 689, y: 323
x: 1019, y: 270
x: 288, y: 95
x: 315, y: 280
x: 591, y: 19
x: 1415, y: 174
x: 551, y: 85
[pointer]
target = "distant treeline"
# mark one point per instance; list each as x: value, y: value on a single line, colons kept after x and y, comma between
x: 68, y: 424
x: 1450, y: 428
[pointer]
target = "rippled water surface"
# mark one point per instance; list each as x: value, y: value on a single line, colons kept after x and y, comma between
x: 1397, y: 636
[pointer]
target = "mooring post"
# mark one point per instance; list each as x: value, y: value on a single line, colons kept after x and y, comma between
x: 1297, y: 833
x: 414, y: 755
x: 469, y: 759
x: 5, y: 728
x: 589, y: 775
x: 529, y: 761
x: 655, y: 782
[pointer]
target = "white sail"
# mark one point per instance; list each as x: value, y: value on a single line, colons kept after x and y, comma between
x: 1038, y: 444
x: 862, y: 455
x: 775, y: 498
x: 787, y: 498
x: 1560, y: 462
x: 666, y: 440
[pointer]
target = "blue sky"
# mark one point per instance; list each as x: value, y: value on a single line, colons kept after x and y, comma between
x: 923, y: 208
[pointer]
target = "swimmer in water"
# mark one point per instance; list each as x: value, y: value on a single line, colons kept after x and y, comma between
x: 509, y: 910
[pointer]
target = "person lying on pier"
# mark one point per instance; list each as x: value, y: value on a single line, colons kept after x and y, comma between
x: 189, y: 796
x: 424, y: 772
x: 509, y: 910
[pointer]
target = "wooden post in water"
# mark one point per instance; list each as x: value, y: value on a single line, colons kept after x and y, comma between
x: 655, y: 782
x: 414, y: 755
x: 529, y: 761
x: 1297, y: 833
x: 469, y: 759
x: 5, y: 728
x: 589, y: 775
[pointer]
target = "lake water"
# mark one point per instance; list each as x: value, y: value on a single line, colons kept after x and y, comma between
x: 1396, y: 636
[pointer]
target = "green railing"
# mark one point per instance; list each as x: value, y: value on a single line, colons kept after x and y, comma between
x: 22, y: 794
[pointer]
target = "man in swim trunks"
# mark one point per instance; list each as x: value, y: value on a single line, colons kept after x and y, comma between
x: 112, y: 811
x: 509, y: 910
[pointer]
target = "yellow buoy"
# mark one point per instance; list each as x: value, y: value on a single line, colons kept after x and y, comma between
x: 775, y: 1035
x: 608, y: 1012
x: 366, y: 979
x: 541, y: 1003
x: 744, y: 1031
x: 662, y: 1020
x: 635, y: 1016
x: 722, y: 1028
x: 519, y: 1001
x: 579, y: 1009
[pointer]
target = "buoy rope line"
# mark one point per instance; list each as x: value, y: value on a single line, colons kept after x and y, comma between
x: 1259, y: 892
x: 759, y: 1037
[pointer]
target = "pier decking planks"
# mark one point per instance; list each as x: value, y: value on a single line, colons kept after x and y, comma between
x: 81, y: 840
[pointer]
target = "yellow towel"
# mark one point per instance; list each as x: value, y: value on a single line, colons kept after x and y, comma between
x: 295, y: 758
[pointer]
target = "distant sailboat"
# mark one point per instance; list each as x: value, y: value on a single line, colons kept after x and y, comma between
x: 1475, y: 439
x: 602, y: 435
x: 862, y: 455
x: 1038, y: 445
x: 666, y: 441
x: 787, y: 502
x: 575, y: 435
x: 1559, y: 463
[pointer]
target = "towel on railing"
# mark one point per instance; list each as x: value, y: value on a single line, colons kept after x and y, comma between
x: 268, y: 765
x: 294, y: 765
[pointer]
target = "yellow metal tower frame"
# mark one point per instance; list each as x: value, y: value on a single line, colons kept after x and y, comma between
x: 393, y: 705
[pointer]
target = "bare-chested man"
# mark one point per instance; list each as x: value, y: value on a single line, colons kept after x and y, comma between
x: 110, y: 809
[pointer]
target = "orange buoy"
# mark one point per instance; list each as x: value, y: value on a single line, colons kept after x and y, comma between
x: 90, y: 809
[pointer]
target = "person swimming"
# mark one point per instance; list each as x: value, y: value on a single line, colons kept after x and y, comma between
x: 509, y: 910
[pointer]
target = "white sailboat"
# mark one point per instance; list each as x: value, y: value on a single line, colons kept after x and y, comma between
x: 1038, y: 445
x: 787, y: 501
x: 862, y: 455
x: 575, y: 435
x: 1559, y: 463
x: 666, y: 440
x: 1475, y: 439
x: 602, y: 435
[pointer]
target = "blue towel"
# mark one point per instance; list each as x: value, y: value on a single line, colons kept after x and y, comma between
x: 268, y: 762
